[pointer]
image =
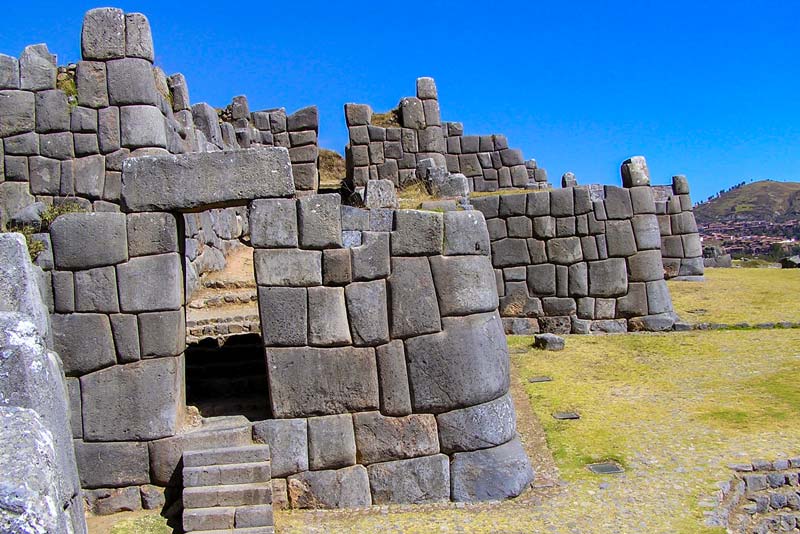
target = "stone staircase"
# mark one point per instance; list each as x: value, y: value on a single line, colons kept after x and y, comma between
x: 228, y: 490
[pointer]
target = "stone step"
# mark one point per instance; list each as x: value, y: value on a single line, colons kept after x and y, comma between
x: 230, y: 495
x: 241, y: 520
x: 227, y: 474
x: 228, y: 455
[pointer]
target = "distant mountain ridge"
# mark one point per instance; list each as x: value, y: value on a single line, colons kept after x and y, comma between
x: 766, y: 201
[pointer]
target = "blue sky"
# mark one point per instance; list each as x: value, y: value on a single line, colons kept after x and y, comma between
x: 706, y: 89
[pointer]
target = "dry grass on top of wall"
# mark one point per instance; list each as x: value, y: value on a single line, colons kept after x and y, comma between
x: 332, y: 169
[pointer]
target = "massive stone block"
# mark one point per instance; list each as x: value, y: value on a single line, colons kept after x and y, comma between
x: 510, y: 252
x: 284, y: 312
x: 478, y: 427
x: 288, y: 267
x: 151, y: 283
x: 151, y: 233
x: 162, y: 333
x: 366, y: 308
x: 273, y: 223
x: 414, y: 308
x: 393, y: 379
x: 288, y: 444
x: 321, y: 381
x: 96, y: 290
x: 103, y: 34
x: 131, y: 81
x: 417, y: 233
x: 371, y: 260
x: 84, y: 342
x: 646, y: 266
x: 417, y: 480
x: 138, y: 401
x: 37, y: 68
x: 341, y: 488
x: 85, y: 240
x: 320, y: 221
x: 620, y: 239
x: 465, y: 364
x: 331, y: 443
x: 112, y: 465
x: 142, y: 127
x: 608, y: 278
x: 490, y: 474
x: 465, y: 232
x: 564, y: 250
x: 205, y: 179
x: 465, y: 284
x: 327, y: 317
x: 19, y: 288
x: 138, y: 39
x: 380, y: 438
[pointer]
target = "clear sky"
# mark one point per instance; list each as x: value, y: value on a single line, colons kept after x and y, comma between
x: 706, y: 89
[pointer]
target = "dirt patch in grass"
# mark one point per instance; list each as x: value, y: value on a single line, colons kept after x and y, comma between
x: 739, y: 295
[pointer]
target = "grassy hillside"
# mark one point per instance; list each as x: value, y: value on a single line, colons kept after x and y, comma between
x: 765, y: 200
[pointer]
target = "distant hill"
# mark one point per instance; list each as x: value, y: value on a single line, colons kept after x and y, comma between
x: 766, y: 201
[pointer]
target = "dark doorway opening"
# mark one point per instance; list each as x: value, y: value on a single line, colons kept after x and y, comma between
x: 230, y: 379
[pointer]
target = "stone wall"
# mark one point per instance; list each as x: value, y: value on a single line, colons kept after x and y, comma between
x: 209, y: 237
x: 579, y: 259
x: 681, y: 248
x: 40, y: 490
x: 414, y: 132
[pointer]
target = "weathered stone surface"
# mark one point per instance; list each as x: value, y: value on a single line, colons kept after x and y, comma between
x: 490, y: 474
x: 152, y: 497
x: 288, y: 444
x: 393, y: 379
x: 288, y: 267
x: 510, y: 252
x: 103, y: 34
x: 336, y: 266
x: 464, y: 284
x: 112, y: 465
x: 357, y: 114
x: 331, y: 443
x: 367, y: 310
x: 414, y: 307
x: 465, y: 232
x: 380, y: 438
x: 620, y: 239
x: 138, y: 39
x: 562, y: 203
x: 634, y: 172
x: 645, y: 266
x: 138, y: 401
x: 151, y: 233
x: 371, y: 260
x: 642, y: 200
x: 84, y: 240
x: 465, y: 364
x: 417, y: 233
x: 125, y: 329
x: 548, y: 341
x: 658, y: 297
x: 203, y: 179
x: 150, y: 283
x: 380, y: 194
x: 18, y: 109
x: 14, y: 196
x: 45, y: 175
x: 646, y: 232
x: 284, y: 312
x: 273, y: 223
x: 618, y: 203
x: 142, y: 126
x: 478, y: 427
x: 634, y: 304
x: 416, y: 480
x: 342, y: 488
x: 608, y: 278
x: 19, y: 289
x: 131, y: 81
x: 162, y: 333
x: 96, y: 290
x: 91, y: 81
x: 9, y: 72
x: 37, y: 68
x: 84, y: 342
x: 322, y: 381
x: 319, y: 221
x: 564, y: 250
x: 488, y: 205
x: 52, y: 112
x: 303, y: 119
x: 107, y: 501
x: 327, y: 317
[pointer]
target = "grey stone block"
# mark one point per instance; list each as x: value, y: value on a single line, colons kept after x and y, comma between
x: 367, y: 310
x: 273, y: 223
x: 89, y: 176
x: 680, y: 185
x: 320, y: 221
x: 37, y: 68
x: 565, y: 226
x: 564, y: 250
x: 108, y: 136
x: 620, y: 239
x: 288, y: 444
x: 586, y: 306
x: 477, y: 427
x: 538, y: 204
x: 416, y: 480
x: 634, y: 304
x: 519, y: 226
x: 18, y: 109
x: 548, y: 341
x: 142, y: 126
x: 303, y: 119
x: 497, y: 229
x: 63, y: 291
x: 578, y: 280
x: 634, y: 172
x: 645, y: 266
x: 45, y: 175
x: 96, y: 290
x: 137, y: 401
x: 91, y: 81
x: 112, y: 465
x: 331, y: 443
x: 151, y: 233
x: 618, y: 203
x: 583, y: 200
x: 327, y: 317
x: 608, y: 278
x: 355, y: 218
x: 131, y: 81
x: 512, y: 205
x: 85, y: 144
x: 380, y: 438
x: 490, y: 474
x: 125, y: 329
x: 646, y: 232
x: 414, y: 308
x: 283, y: 315
x: 488, y: 205
x: 52, y: 111
x: 544, y: 227
x: 557, y: 306
x: 357, y: 114
x: 288, y: 267
x: 162, y: 333
x: 103, y: 34
x: 562, y: 202
x: 109, y: 501
x: 84, y: 342
x: 464, y: 284
x: 321, y: 381
x: 151, y: 283
x: 336, y: 267
x: 371, y: 259
x: 465, y: 232
x: 417, y: 233
x: 206, y: 120
x: 465, y: 364
x: 74, y: 398
x: 342, y: 488
x: 380, y: 194
x: 605, y: 308
x: 642, y: 200
x: 180, y: 93
x: 658, y: 297
x: 393, y: 379
x: 510, y: 252
x: 16, y: 170
x: 26, y: 144
x: 542, y: 279
x: 9, y: 72
x: 692, y: 247
x: 138, y: 39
